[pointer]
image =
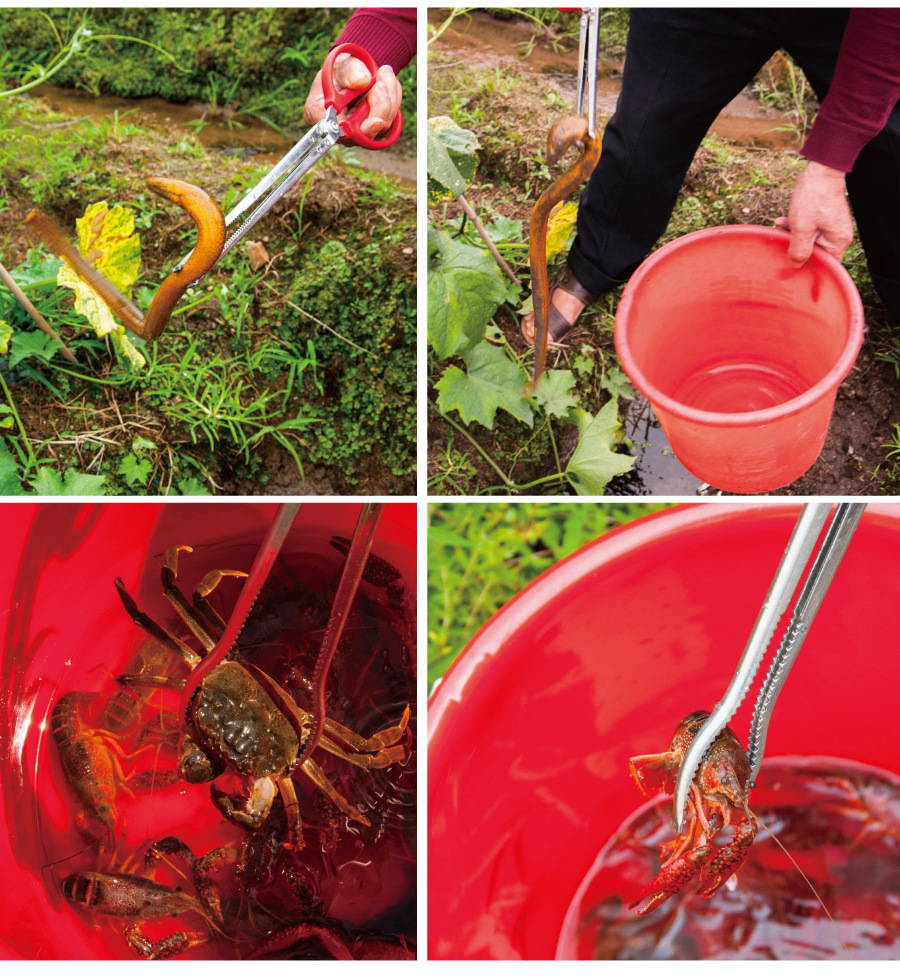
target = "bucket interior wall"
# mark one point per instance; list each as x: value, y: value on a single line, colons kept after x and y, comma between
x: 598, y: 660
x: 723, y: 301
x: 65, y: 629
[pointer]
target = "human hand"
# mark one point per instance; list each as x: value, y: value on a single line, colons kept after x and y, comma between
x: 350, y: 72
x: 818, y: 214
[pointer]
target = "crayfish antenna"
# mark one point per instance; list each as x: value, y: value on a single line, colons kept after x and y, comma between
x: 808, y: 882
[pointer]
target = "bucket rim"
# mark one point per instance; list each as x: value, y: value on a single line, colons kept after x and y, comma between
x: 744, y: 419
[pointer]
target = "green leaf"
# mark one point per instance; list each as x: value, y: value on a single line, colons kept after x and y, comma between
x: 446, y: 537
x: 594, y: 462
x: 504, y: 229
x: 5, y: 334
x: 141, y: 444
x: 554, y: 393
x: 48, y: 483
x: 617, y: 383
x: 10, y: 484
x: 191, y: 487
x: 465, y: 287
x: 36, y: 268
x: 32, y: 344
x: 492, y: 381
x: 134, y: 470
x: 451, y: 159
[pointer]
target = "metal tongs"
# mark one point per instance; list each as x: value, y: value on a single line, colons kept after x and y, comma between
x: 796, y: 556
x: 587, y: 66
x: 311, y: 148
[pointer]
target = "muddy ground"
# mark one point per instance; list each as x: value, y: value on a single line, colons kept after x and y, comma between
x: 745, y: 178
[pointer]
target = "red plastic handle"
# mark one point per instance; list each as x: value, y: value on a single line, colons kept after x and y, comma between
x: 340, y: 101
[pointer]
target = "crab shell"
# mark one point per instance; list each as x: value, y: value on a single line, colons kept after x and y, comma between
x: 239, y: 724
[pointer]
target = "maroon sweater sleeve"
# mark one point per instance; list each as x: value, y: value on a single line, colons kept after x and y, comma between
x: 864, y: 90
x: 387, y: 33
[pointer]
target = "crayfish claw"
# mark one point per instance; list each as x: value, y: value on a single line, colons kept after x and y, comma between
x: 671, y: 878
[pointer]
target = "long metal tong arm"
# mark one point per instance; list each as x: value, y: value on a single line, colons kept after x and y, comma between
x: 837, y: 537
x: 587, y: 67
x: 787, y: 577
x: 276, y: 183
x: 259, y: 572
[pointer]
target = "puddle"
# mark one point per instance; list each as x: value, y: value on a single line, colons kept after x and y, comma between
x: 480, y: 40
x: 656, y: 472
x: 244, y: 136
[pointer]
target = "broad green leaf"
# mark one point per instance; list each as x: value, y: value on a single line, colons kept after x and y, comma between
x: 554, y: 393
x: 617, y: 383
x: 141, y: 444
x: 48, y: 483
x: 191, y: 487
x: 5, y: 334
x: 594, y: 462
x: 451, y: 159
x: 504, y: 229
x: 36, y: 268
x: 32, y: 344
x: 465, y: 287
x: 559, y: 227
x: 107, y: 239
x: 10, y: 485
x: 134, y: 470
x: 6, y: 416
x: 492, y: 381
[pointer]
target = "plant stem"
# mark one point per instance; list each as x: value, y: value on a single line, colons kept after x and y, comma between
x: 515, y: 487
x: 492, y: 248
x: 39, y: 320
x: 31, y: 461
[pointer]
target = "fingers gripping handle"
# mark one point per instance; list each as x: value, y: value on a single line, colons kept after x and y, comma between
x: 340, y: 100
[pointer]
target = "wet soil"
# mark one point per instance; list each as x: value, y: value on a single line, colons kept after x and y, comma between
x: 750, y: 182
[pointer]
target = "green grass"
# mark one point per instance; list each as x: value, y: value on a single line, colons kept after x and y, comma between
x: 482, y: 554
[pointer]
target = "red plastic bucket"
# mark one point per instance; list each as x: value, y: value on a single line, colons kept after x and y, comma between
x: 596, y: 661
x: 65, y: 629
x: 739, y: 353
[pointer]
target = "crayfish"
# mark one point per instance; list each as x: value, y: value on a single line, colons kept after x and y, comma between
x: 136, y: 899
x: 717, y: 799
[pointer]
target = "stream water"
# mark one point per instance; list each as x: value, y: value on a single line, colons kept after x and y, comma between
x: 239, y: 135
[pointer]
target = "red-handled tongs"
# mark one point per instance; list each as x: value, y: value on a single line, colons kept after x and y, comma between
x: 312, y: 147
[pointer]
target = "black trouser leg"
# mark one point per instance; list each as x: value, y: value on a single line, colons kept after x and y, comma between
x: 681, y: 68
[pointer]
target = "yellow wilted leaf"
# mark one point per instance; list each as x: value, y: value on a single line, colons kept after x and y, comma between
x: 107, y: 239
x: 559, y: 227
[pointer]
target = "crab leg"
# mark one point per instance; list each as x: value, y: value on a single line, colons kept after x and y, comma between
x: 317, y: 776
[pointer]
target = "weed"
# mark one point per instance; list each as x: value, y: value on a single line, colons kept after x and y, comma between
x: 481, y: 554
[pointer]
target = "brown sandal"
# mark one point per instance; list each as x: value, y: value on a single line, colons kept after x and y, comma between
x: 559, y: 327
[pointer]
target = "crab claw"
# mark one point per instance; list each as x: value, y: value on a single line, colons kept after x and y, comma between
x: 728, y: 859
x: 671, y: 878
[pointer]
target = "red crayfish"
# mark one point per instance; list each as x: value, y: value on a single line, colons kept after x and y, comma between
x: 717, y: 799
